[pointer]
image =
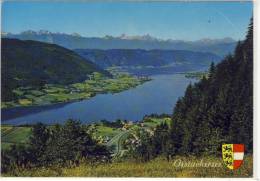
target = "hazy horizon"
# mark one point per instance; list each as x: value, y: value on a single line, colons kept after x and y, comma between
x: 119, y: 36
x: 188, y: 21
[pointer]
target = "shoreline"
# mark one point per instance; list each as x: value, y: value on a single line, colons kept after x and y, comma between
x: 85, y: 96
x: 16, y: 105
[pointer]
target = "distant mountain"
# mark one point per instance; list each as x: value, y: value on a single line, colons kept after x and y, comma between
x: 31, y: 63
x: 150, y: 62
x: 154, y: 58
x: 220, y: 47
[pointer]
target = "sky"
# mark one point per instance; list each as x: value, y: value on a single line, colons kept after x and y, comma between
x: 166, y: 20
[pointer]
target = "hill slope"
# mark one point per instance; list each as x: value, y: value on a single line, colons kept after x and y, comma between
x: 219, y: 109
x: 32, y: 63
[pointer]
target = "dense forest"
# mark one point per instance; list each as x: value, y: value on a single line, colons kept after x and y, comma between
x: 218, y: 109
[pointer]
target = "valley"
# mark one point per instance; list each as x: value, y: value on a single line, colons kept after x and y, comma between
x: 127, y: 89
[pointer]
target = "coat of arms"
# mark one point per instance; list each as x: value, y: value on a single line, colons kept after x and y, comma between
x: 233, y: 155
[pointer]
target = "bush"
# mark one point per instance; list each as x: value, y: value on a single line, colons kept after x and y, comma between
x: 64, y: 145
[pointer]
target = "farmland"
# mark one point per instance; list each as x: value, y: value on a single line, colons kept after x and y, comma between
x: 53, y: 93
x: 14, y: 135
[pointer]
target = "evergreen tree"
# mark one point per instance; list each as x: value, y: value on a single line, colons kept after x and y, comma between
x: 218, y: 109
x: 38, y: 141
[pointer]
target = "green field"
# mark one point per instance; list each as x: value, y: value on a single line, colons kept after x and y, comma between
x: 196, y: 75
x: 153, y: 122
x: 14, y: 135
x: 50, y: 93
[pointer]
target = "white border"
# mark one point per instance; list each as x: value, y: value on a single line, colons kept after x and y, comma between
x: 256, y: 106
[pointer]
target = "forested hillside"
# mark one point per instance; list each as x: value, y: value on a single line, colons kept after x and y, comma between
x: 33, y: 64
x: 218, y: 109
x: 154, y: 58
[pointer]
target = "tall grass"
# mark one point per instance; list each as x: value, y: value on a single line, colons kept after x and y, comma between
x: 154, y: 168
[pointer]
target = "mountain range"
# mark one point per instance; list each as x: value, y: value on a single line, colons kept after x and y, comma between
x: 221, y: 47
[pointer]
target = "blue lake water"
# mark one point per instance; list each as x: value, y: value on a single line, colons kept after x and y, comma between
x: 156, y: 96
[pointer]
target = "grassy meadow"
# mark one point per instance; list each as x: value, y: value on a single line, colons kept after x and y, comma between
x: 158, y: 167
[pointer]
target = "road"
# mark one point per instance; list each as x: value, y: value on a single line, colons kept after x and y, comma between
x: 116, y: 141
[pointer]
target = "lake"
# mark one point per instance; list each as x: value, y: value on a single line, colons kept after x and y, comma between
x: 156, y: 96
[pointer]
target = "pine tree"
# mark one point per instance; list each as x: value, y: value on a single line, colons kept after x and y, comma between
x: 211, y: 70
x: 218, y: 109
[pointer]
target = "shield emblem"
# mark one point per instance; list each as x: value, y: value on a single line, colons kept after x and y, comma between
x: 233, y: 155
